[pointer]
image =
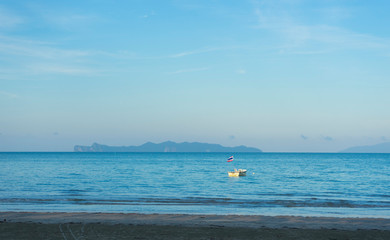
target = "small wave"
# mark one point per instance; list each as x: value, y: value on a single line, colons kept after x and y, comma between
x: 73, y: 193
x: 307, y: 203
x: 26, y: 200
x: 380, y: 195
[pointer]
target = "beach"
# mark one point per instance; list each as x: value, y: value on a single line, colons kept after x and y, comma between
x: 39, y: 225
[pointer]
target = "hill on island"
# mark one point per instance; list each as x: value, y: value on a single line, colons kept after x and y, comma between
x: 377, y: 148
x: 168, y: 146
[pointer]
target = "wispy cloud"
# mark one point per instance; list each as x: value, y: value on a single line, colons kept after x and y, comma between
x: 241, y: 71
x: 181, y: 54
x: 8, y: 19
x: 36, y: 57
x: 150, y: 14
x: 59, y: 69
x: 68, y: 20
x: 189, y: 70
x: 327, y: 138
x: 192, y: 52
x: 8, y: 94
x: 21, y: 47
x: 300, y: 37
x: 65, y: 18
x: 335, y: 13
x: 50, y: 50
x: 40, y: 51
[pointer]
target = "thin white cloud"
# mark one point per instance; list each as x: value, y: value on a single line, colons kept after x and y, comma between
x: 241, y: 71
x: 299, y: 37
x: 65, y: 18
x: 20, y: 47
x: 59, y: 69
x: 48, y: 50
x: 8, y: 94
x: 36, y: 57
x: 192, y: 52
x: 40, y: 52
x: 8, y: 19
x: 178, y: 55
x: 182, y: 54
x: 17, y: 40
x: 335, y: 13
x: 70, y: 19
x: 147, y: 15
x: 189, y: 70
x: 43, y: 50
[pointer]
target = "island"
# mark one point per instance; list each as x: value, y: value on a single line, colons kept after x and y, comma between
x: 377, y: 148
x: 167, y: 146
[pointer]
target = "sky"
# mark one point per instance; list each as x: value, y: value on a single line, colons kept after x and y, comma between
x: 282, y: 76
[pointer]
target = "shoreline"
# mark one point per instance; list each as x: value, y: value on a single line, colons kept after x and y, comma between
x: 188, y: 220
x: 68, y: 226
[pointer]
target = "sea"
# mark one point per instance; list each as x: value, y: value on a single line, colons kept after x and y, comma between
x: 295, y: 184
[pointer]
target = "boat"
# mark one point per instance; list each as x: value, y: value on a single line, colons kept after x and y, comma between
x: 237, y: 173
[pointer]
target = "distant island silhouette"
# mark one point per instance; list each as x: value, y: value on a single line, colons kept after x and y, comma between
x: 377, y: 148
x: 167, y: 146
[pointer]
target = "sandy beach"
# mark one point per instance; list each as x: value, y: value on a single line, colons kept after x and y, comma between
x: 30, y: 225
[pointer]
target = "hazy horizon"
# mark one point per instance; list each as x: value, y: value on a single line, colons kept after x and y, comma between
x: 374, y: 149
x: 281, y: 76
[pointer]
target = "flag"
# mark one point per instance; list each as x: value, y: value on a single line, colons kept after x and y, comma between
x: 230, y: 159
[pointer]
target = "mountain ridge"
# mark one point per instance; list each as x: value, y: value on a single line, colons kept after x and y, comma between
x: 168, y: 146
x: 377, y: 148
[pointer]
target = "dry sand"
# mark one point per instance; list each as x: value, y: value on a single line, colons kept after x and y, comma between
x: 27, y: 225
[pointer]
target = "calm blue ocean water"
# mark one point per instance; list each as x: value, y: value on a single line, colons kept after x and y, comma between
x: 306, y: 184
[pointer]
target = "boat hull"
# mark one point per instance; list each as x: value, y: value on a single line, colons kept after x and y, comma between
x: 234, y: 174
x: 239, y: 173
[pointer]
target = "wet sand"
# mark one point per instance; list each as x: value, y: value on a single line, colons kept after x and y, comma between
x: 27, y: 225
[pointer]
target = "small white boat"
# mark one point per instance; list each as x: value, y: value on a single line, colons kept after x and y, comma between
x: 237, y: 173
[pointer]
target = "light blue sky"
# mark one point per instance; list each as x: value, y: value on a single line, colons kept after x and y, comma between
x: 278, y: 75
